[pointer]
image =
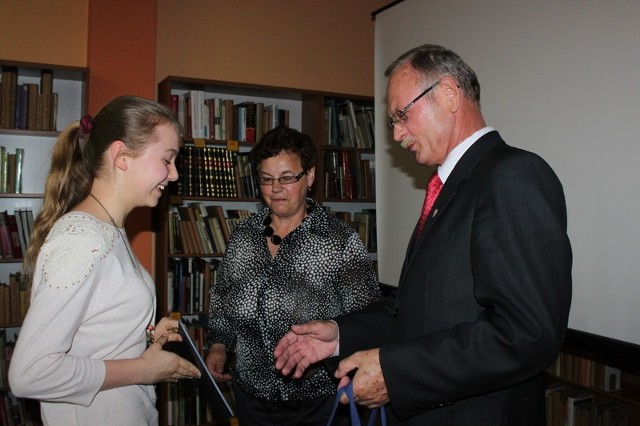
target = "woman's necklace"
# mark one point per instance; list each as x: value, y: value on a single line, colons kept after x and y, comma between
x: 268, y: 229
x: 126, y: 240
x: 269, y: 232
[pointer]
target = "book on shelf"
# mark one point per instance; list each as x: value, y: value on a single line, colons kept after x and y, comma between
x: 240, y: 122
x: 28, y: 213
x: 5, y: 303
x: 261, y: 127
x: 24, y: 298
x: 218, y: 212
x: 27, y: 106
x: 366, y: 221
x: 13, y: 411
x: 196, y: 119
x: 348, y: 124
x: 206, y: 172
x: 356, y: 130
x: 189, y: 281
x: 188, y: 224
x: 32, y: 106
x: 8, y: 105
x: 575, y: 400
x: 46, y: 92
x: 218, y: 234
x: 348, y: 176
x: 235, y: 216
x: 206, y: 231
x: 14, y: 299
x: 6, y: 241
x: 582, y: 370
x: 330, y: 134
x: 4, y: 165
x: 11, y: 175
x: 245, y: 176
x: 21, y: 234
x: 228, y: 124
x: 14, y: 235
x: 174, y: 106
x: 19, y: 162
x: 11, y: 170
x: 21, y: 106
x: 248, y: 124
x: 4, y: 382
x: 15, y: 232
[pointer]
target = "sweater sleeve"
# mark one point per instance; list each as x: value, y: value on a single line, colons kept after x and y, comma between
x: 43, y: 366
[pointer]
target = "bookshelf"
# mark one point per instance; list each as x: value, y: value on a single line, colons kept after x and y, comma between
x: 316, y: 113
x: 37, y: 101
x: 595, y: 380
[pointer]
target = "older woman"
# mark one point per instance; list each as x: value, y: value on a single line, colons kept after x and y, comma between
x: 290, y: 263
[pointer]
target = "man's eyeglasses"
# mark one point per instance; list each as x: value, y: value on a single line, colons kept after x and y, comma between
x: 400, y: 115
x: 282, y: 180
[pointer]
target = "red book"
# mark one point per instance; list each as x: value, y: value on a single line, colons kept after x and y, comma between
x: 14, y: 233
x: 5, y: 236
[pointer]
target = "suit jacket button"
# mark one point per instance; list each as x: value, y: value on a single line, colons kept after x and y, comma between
x: 396, y: 312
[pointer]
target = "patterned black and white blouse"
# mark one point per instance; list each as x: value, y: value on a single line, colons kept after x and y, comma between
x: 321, y: 270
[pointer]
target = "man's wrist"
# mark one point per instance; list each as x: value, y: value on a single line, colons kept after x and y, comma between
x: 336, y: 352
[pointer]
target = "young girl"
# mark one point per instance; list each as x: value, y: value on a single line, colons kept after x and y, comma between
x: 86, y: 349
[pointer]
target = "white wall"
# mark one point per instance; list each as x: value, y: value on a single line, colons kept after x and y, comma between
x: 562, y: 79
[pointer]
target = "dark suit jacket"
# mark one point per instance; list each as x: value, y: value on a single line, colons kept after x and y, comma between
x: 483, y: 299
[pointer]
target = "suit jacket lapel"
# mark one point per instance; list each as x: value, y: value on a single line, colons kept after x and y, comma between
x: 461, y: 172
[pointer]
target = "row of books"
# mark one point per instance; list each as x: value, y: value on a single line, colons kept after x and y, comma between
x: 348, y: 124
x: 214, y: 172
x: 189, y: 281
x: 348, y: 176
x: 570, y: 406
x: 18, y: 412
x: 14, y: 299
x: 585, y: 371
x: 188, y: 403
x: 201, y: 229
x: 11, y: 165
x: 13, y: 411
x: 364, y: 223
x: 6, y: 350
x: 223, y: 119
x: 27, y: 106
x: 15, y: 231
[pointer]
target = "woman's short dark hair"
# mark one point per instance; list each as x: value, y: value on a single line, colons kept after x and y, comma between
x: 284, y: 139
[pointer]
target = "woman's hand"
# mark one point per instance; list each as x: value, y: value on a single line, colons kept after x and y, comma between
x: 216, y: 361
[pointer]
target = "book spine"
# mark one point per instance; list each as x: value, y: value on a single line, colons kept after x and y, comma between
x: 5, y: 236
x: 18, y: 170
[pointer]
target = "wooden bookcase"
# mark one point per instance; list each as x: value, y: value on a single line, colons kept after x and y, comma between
x: 306, y: 112
x: 601, y: 372
x: 34, y: 135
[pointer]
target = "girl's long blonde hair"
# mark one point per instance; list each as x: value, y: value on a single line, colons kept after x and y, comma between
x: 78, y: 157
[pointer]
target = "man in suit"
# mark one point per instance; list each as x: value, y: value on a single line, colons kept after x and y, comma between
x: 483, y: 299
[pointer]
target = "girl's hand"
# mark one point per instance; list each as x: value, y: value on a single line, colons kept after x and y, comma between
x: 168, y: 326
x: 165, y: 366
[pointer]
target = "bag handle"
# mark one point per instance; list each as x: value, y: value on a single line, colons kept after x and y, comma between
x: 353, y: 409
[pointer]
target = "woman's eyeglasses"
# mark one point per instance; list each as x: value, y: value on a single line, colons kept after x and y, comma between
x: 282, y: 180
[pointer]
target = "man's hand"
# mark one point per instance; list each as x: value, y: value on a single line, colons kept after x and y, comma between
x: 304, y: 345
x: 369, y: 388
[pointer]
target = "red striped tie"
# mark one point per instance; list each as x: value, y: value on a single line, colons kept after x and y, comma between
x: 433, y: 189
